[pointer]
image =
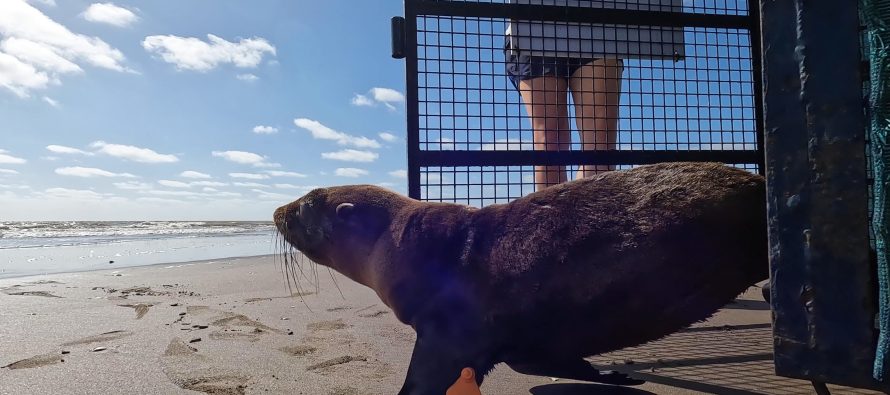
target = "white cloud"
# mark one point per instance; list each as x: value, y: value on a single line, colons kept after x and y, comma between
x: 250, y: 184
x: 323, y: 132
x: 444, y: 144
x: 8, y: 172
x: 303, y: 188
x: 261, y: 129
x: 249, y: 176
x: 388, y: 137
x: 504, y: 145
x: 351, y: 155
x: 132, y: 185
x: 272, y: 196
x: 399, y: 173
x: 20, y: 77
x: 350, y: 172
x: 247, y: 77
x: 39, y: 55
x: 61, y: 149
x: 209, y: 189
x: 244, y: 158
x: 135, y: 154
x: 208, y: 183
x: 51, y: 101
x: 386, y: 96
x: 174, y: 184
x: 51, y: 3
x: 160, y: 200
x: 89, y: 172
x: 7, y: 159
x: 191, y: 53
x: 279, y: 173
x: 362, y: 101
x: 35, y: 51
x: 110, y: 14
x: 76, y: 194
x: 174, y: 193
x: 208, y: 193
x: 194, y: 174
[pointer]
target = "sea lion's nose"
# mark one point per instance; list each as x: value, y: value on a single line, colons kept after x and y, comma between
x: 283, y: 219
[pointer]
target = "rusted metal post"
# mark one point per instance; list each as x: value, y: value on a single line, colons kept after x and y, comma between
x: 822, y: 281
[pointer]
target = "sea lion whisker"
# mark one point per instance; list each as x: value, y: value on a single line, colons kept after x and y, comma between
x: 299, y: 264
x: 331, y: 272
x: 299, y: 291
x: 294, y: 266
x: 315, y: 269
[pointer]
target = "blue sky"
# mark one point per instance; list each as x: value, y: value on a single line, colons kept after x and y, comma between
x: 193, y: 110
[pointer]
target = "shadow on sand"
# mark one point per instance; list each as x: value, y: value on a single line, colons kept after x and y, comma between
x: 585, y: 389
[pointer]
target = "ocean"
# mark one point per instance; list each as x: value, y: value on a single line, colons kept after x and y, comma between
x: 43, y: 247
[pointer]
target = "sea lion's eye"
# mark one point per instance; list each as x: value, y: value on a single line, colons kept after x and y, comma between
x: 344, y: 210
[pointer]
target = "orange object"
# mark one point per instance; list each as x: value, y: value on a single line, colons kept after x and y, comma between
x: 465, y: 384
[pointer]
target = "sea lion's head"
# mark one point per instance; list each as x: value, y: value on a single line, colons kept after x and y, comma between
x: 338, y: 226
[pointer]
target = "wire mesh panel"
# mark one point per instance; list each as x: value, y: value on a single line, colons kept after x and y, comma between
x: 505, y: 97
x: 483, y: 185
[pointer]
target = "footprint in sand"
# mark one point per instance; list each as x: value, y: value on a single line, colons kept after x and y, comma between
x: 32, y: 293
x: 326, y: 325
x: 298, y: 350
x: 229, y: 326
x: 251, y: 300
x: 295, y: 294
x: 374, y: 314
x: 324, y: 336
x: 240, y: 320
x: 36, y: 362
x: 15, y: 290
x: 141, y: 308
x: 179, y: 347
x: 51, y: 359
x: 102, y: 337
x: 188, y: 369
x: 211, y: 383
x: 336, y: 361
x: 245, y: 336
x: 344, y: 391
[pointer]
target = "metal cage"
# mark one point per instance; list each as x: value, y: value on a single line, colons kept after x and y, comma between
x: 689, y: 90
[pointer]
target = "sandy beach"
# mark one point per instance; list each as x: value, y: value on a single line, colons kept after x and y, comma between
x: 232, y: 326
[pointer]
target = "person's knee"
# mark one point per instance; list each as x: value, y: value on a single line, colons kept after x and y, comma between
x: 548, y: 125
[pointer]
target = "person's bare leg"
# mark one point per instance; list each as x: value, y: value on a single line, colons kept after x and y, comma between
x: 596, y: 91
x: 545, y: 101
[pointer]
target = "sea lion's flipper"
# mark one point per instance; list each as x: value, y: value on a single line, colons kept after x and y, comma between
x: 435, y: 364
x: 574, y: 369
x: 449, y: 339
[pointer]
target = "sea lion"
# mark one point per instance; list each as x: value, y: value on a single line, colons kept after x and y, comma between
x: 574, y: 270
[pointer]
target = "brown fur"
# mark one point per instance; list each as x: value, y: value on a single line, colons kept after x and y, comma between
x: 574, y: 270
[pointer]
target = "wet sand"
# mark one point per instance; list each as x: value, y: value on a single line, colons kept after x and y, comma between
x: 233, y: 327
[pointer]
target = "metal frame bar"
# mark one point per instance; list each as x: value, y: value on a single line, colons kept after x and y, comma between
x: 412, y: 105
x: 580, y: 14
x: 519, y: 158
